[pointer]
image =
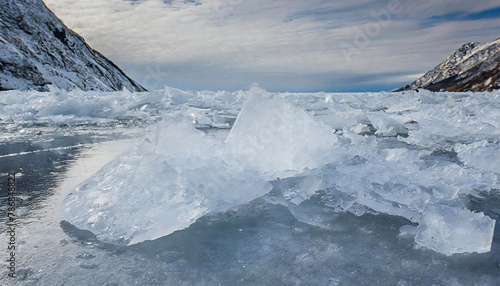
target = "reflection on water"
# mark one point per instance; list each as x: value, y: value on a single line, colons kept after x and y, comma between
x: 39, y: 163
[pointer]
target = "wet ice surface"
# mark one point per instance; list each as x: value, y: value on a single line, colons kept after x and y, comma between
x: 326, y: 189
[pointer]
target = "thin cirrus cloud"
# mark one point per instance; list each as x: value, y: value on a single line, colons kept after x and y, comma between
x: 285, y: 45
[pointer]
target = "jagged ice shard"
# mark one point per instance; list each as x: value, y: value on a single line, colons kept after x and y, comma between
x: 178, y: 174
x: 280, y: 151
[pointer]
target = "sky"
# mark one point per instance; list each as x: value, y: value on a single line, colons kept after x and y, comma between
x: 283, y: 45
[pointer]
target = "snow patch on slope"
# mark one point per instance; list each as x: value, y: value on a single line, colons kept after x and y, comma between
x: 38, y: 51
x: 473, y: 67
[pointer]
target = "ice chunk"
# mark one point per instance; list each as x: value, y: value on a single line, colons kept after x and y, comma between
x: 452, y: 230
x: 272, y: 135
x: 163, y: 185
x: 360, y: 129
x: 480, y: 155
x: 178, y: 174
x: 385, y: 125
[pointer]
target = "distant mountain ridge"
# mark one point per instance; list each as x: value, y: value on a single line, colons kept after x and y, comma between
x: 473, y: 67
x: 38, y: 50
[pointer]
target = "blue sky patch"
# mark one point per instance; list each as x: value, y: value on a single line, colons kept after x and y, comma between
x: 460, y: 16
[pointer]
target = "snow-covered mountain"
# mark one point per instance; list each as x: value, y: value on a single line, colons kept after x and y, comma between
x: 37, y: 50
x: 473, y: 67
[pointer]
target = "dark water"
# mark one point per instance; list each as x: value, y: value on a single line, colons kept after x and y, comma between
x: 38, y: 165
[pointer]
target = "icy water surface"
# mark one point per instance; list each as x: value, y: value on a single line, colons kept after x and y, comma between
x: 256, y: 244
x: 39, y: 162
x: 250, y: 188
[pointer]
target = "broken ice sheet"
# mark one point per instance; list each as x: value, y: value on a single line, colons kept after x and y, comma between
x: 178, y: 173
x: 163, y: 185
x: 452, y: 230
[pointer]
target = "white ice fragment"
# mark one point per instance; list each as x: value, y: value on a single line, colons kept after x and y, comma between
x: 385, y: 125
x: 480, y: 155
x: 451, y: 230
x: 271, y: 135
x: 360, y: 129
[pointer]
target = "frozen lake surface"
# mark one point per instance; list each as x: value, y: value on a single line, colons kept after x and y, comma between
x: 252, y: 188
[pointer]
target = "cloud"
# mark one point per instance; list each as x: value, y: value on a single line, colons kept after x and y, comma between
x: 283, y: 44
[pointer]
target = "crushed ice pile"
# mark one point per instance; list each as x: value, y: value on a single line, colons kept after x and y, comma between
x: 28, y: 113
x: 417, y: 155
